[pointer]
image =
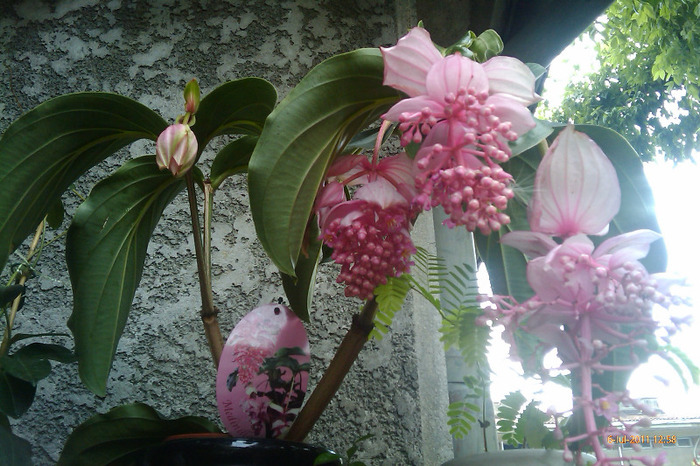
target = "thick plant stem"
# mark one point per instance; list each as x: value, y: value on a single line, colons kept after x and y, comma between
x: 209, y: 311
x: 343, y: 360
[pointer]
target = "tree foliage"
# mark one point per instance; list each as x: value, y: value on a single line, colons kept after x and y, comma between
x: 648, y: 84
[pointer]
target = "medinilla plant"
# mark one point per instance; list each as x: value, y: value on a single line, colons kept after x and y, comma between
x: 324, y: 185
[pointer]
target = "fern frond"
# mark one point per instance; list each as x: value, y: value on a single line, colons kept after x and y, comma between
x: 531, y: 426
x: 507, y: 415
x: 462, y: 332
x: 390, y: 298
x: 461, y: 418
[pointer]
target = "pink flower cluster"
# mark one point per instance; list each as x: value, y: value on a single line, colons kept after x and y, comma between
x: 464, y: 114
x: 369, y: 234
x: 589, y: 301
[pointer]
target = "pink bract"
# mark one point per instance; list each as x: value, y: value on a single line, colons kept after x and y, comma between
x: 576, y: 188
x: 512, y: 78
x: 407, y: 63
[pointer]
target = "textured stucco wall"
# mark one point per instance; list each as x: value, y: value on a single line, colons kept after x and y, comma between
x: 147, y: 51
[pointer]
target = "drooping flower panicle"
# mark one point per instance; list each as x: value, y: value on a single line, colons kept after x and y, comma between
x: 370, y: 242
x: 464, y: 114
x: 369, y: 234
x: 589, y: 301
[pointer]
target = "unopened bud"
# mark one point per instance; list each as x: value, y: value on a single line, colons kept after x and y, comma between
x: 176, y: 149
x: 191, y: 95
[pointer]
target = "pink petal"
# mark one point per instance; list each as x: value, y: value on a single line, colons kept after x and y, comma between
x: 557, y: 338
x: 530, y: 243
x: 347, y: 212
x: 576, y: 188
x: 627, y: 247
x: 539, y: 276
x: 414, y: 106
x: 343, y: 165
x: 511, y: 77
x: 509, y: 110
x: 453, y: 73
x: 398, y: 169
x: 546, y: 275
x: 382, y: 193
x: 407, y: 63
x: 328, y: 197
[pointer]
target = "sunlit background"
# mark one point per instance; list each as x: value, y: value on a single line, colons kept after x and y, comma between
x: 676, y: 193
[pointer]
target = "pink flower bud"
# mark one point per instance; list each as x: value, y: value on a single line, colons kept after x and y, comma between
x: 176, y: 149
x: 191, y: 95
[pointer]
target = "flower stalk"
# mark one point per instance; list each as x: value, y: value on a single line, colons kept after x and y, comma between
x: 22, y: 280
x: 203, y: 253
x: 349, y: 349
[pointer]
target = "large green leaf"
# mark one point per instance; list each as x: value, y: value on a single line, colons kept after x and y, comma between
x: 49, y: 147
x: 105, y: 250
x: 9, y: 293
x: 31, y: 362
x: 14, y: 450
x: 232, y: 159
x: 300, y: 289
x: 235, y: 107
x: 120, y: 436
x: 313, y: 123
x: 16, y: 395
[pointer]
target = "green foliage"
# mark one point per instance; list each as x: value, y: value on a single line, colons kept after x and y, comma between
x: 335, y: 458
x: 14, y: 450
x: 426, y: 273
x: 507, y: 416
x: 235, y: 107
x: 83, y: 129
x: 531, y: 426
x: 461, y: 417
x: 462, y: 414
x: 479, y: 48
x: 232, y: 159
x: 105, y: 250
x: 454, y: 294
x: 312, y: 125
x: 523, y: 426
x: 390, y: 298
x: 300, y: 288
x: 9, y: 293
x: 461, y: 331
x: 31, y: 363
x: 648, y: 84
x: 120, y: 436
x: 16, y: 395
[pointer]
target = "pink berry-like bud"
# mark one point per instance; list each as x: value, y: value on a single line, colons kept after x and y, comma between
x: 191, y: 95
x: 176, y: 149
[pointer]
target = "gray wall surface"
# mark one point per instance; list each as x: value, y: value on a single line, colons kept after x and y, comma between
x: 148, y: 51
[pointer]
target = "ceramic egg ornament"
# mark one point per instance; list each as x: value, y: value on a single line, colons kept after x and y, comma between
x: 263, y: 372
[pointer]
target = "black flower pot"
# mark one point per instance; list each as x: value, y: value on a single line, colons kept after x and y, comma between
x: 214, y: 450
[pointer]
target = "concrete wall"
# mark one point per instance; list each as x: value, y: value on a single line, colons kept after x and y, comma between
x: 147, y: 51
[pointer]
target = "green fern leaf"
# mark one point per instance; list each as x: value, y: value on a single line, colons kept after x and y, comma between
x: 390, y: 298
